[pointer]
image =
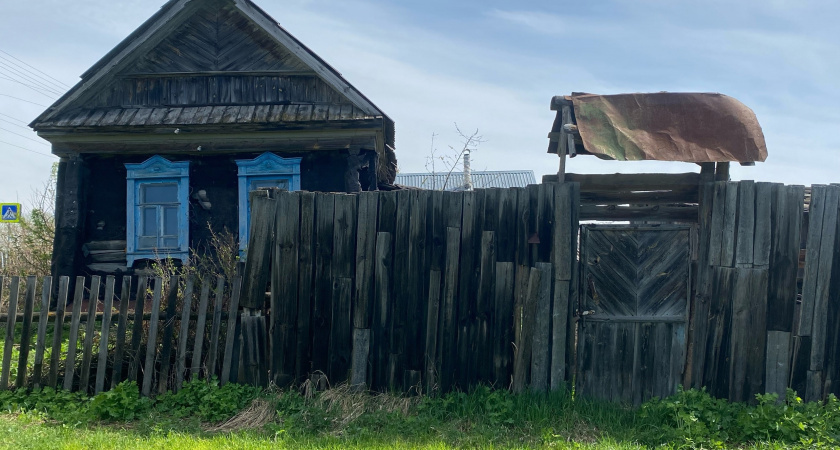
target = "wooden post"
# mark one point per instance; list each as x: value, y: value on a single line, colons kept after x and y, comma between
x: 11, y: 315
x: 43, y: 318
x: 722, y: 171
x: 26, y: 331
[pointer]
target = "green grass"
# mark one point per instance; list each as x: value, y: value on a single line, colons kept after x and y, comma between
x: 341, y: 418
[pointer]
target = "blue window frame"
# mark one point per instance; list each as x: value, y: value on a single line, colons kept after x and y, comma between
x: 266, y: 170
x: 157, y: 202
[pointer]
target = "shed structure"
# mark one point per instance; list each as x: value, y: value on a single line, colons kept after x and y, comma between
x: 208, y: 99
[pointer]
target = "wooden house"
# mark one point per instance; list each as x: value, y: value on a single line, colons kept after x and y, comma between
x: 167, y: 133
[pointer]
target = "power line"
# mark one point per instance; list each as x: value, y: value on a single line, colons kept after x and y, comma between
x: 35, y: 69
x: 15, y: 72
x: 15, y: 124
x: 34, y: 88
x: 27, y: 101
x: 14, y: 118
x: 25, y: 137
x: 28, y: 150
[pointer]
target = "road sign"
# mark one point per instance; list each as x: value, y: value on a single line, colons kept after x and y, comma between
x: 9, y: 212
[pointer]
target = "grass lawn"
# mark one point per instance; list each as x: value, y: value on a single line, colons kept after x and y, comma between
x: 341, y: 419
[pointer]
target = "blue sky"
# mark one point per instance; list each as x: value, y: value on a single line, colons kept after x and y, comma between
x: 494, y: 66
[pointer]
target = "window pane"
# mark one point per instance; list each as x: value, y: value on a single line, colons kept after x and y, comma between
x: 170, y: 221
x: 149, y: 222
x: 280, y: 183
x: 159, y: 193
x: 147, y: 242
x: 169, y: 242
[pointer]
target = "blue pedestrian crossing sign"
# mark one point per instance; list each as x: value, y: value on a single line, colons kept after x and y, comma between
x: 9, y: 212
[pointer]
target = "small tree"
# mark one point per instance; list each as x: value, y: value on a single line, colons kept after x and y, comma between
x: 26, y: 247
x: 452, y: 159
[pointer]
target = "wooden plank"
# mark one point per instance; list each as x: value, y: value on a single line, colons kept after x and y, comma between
x: 137, y: 328
x: 107, y: 309
x: 562, y: 256
x: 784, y: 263
x: 485, y: 310
x: 14, y: 288
x: 253, y: 346
x: 213, y: 351
x: 728, y: 236
x: 466, y: 296
x: 365, y: 259
x: 764, y: 195
x: 716, y: 371
x: 284, y: 290
x: 26, y: 331
x: 168, y: 333
x: 361, y: 350
x: 522, y: 361
x: 322, y: 300
x: 41, y: 341
x: 432, y: 361
x: 306, y: 270
x: 399, y: 309
x: 230, y: 335
x: 756, y: 344
x: 90, y: 329
x: 574, y: 295
x: 200, y: 327
x: 778, y: 359
x: 58, y: 330
x: 745, y: 226
x: 558, y: 372
x: 449, y: 311
x: 151, y: 342
x: 822, y: 294
x: 716, y: 226
x: 125, y: 297
x: 341, y: 335
x: 811, y: 276
x: 682, y: 195
x: 72, y: 344
x: 686, y: 213
x: 503, y: 324
x: 506, y: 226
x: 540, y: 355
x: 416, y: 283
x: 256, y: 275
x: 738, y: 349
x: 699, y: 306
x: 382, y: 310
x: 634, y: 182
x: 184, y: 334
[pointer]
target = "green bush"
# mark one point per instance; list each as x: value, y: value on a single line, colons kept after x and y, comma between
x: 207, y: 400
x: 122, y: 403
x: 60, y: 405
x: 695, y: 418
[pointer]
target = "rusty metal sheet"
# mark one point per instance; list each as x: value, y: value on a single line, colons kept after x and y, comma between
x: 666, y: 126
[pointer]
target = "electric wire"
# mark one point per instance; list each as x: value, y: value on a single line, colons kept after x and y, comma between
x: 25, y: 137
x: 60, y: 83
x: 28, y: 150
x: 15, y: 124
x: 17, y: 73
x: 14, y: 118
x: 24, y: 100
x: 51, y: 95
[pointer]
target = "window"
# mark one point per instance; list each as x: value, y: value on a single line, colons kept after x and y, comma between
x: 157, y: 222
x: 265, y: 171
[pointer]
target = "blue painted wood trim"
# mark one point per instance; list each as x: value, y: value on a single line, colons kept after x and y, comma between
x: 266, y: 166
x: 157, y: 170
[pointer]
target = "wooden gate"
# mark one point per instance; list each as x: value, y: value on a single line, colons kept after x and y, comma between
x: 633, y: 312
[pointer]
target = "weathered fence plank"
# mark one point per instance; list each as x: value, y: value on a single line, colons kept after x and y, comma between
x: 382, y: 310
x: 168, y: 333
x: 43, y: 318
x: 184, y: 334
x: 306, y: 258
x: 137, y: 328
x: 200, y: 327
x: 125, y: 297
x: 284, y: 290
x: 58, y: 330
x: 540, y: 356
x: 213, y: 351
x: 14, y: 292
x: 26, y: 331
x: 90, y: 329
x: 151, y: 342
x: 524, y: 344
x: 432, y: 316
x: 72, y: 345
x: 102, y: 361
x: 230, y: 335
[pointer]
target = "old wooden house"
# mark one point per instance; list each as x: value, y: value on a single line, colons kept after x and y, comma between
x: 167, y: 133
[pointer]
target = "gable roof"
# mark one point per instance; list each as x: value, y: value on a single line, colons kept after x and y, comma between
x: 291, y: 55
x: 454, y: 181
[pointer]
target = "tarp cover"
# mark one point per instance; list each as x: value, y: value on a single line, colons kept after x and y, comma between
x: 665, y: 126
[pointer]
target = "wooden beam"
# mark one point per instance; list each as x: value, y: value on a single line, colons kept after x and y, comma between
x: 657, y: 212
x: 634, y: 181
x: 722, y: 171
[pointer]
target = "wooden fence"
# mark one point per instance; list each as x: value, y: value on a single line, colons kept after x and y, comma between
x: 159, y: 336
x: 421, y: 289
x: 430, y: 291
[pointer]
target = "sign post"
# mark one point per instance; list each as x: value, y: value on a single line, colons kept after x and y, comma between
x: 9, y: 212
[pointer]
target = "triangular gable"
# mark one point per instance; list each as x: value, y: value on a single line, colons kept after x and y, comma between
x: 157, y: 35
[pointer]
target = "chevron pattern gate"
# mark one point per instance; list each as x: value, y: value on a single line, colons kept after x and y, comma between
x: 635, y: 286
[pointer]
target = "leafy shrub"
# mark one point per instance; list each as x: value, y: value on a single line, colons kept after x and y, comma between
x: 55, y: 404
x: 207, y: 400
x: 695, y: 418
x: 122, y: 403
x: 494, y: 405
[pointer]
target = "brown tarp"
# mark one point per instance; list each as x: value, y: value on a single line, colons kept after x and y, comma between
x: 665, y: 126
